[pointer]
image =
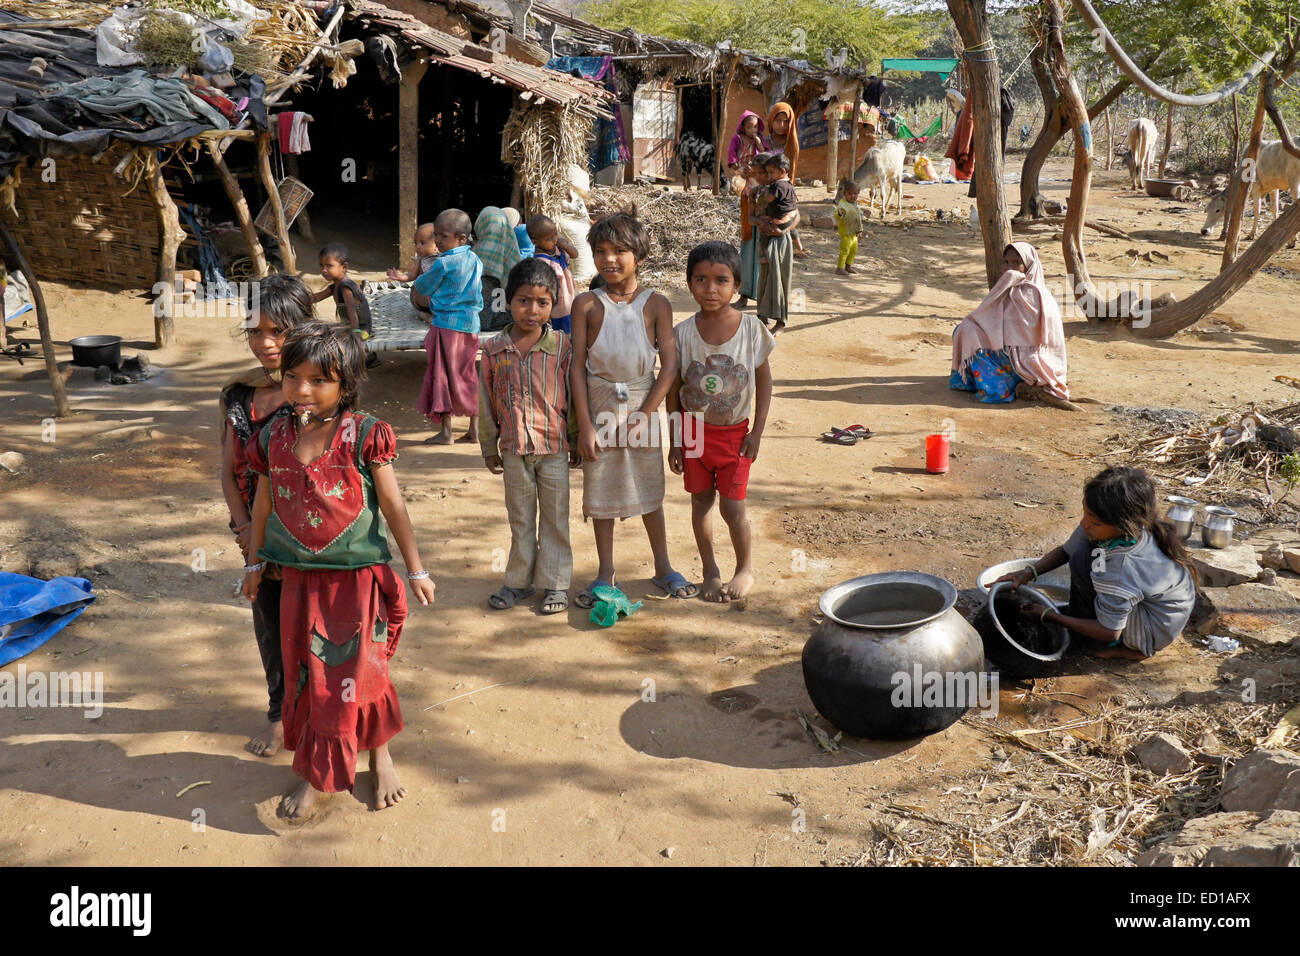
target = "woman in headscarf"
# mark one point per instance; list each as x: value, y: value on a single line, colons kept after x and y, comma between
x: 496, y: 246
x: 745, y: 145
x: 1014, y: 336
x: 785, y: 139
x: 962, y: 150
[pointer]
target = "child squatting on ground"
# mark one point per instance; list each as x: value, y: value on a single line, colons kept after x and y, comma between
x: 325, y: 478
x: 723, y: 354
x: 1132, y: 584
x: 248, y: 404
x: 618, y: 331
x: 526, y: 431
x: 452, y: 291
x: 848, y: 220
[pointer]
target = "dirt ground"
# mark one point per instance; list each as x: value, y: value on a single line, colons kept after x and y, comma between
x: 557, y: 757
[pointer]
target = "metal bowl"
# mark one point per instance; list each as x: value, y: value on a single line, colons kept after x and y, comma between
x: 888, y: 601
x: 1055, y: 584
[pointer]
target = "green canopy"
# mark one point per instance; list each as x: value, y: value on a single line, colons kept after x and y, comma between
x: 943, y: 65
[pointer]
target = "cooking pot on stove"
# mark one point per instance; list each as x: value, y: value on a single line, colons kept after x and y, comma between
x: 92, y: 351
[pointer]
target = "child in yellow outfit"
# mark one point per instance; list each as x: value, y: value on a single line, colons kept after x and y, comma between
x: 848, y: 219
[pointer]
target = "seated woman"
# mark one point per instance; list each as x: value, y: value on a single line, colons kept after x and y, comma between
x: 1132, y: 584
x: 1014, y: 336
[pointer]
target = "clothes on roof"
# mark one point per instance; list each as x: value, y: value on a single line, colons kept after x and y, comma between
x: 611, y: 144
x: 138, y: 94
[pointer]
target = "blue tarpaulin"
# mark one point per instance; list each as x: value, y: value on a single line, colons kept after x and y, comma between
x: 33, y: 611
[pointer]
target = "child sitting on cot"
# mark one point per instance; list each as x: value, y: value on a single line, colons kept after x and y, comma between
x: 525, y: 430
x: 426, y: 250
x: 1132, y: 584
x: 325, y: 492
x: 848, y: 219
x: 775, y: 247
x: 722, y: 354
x: 452, y: 291
x: 249, y: 404
x: 552, y: 247
x: 350, y: 305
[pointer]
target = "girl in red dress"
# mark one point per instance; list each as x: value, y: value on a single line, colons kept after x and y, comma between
x: 318, y: 518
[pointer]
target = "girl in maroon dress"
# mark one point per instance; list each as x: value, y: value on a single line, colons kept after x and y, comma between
x: 247, y: 404
x: 318, y: 516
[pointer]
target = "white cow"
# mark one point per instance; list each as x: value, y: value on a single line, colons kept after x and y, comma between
x: 1275, y: 170
x: 881, y: 171
x: 1141, y: 151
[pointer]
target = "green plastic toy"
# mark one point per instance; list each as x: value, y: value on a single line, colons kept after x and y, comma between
x: 611, y: 604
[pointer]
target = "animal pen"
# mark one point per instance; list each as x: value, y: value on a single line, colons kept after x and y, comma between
x: 120, y: 174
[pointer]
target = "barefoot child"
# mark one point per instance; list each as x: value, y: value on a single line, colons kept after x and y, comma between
x: 723, y: 357
x: 247, y: 405
x: 616, y: 395
x: 426, y: 251
x: 452, y: 290
x: 848, y: 219
x: 523, y: 430
x: 1132, y: 584
x: 776, y: 252
x: 552, y: 247
x: 325, y: 479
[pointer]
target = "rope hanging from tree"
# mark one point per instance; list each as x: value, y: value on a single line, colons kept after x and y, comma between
x: 1150, y: 86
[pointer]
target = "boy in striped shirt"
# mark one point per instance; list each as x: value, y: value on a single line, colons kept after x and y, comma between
x: 526, y: 431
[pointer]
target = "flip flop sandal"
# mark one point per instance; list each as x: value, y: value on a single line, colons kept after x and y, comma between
x: 586, y: 598
x: 862, y: 431
x: 554, y: 601
x: 840, y: 436
x: 675, y: 581
x: 508, y: 597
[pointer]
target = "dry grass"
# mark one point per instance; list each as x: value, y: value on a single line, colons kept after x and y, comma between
x: 1071, y: 795
x: 676, y: 221
x: 541, y: 141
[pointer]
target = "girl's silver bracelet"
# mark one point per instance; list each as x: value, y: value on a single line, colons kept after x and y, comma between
x: 254, y: 568
x: 416, y: 575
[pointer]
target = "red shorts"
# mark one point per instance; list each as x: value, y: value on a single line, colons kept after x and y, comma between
x: 716, y: 462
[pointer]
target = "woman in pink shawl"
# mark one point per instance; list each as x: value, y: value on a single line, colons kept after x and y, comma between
x: 745, y: 145
x: 1015, y: 335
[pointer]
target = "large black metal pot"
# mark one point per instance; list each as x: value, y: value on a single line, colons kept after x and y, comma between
x: 92, y: 351
x: 881, y: 634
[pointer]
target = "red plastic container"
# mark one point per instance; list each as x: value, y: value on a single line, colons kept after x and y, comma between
x: 936, y: 454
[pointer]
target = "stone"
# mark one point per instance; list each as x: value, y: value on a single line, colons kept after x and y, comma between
x: 11, y: 461
x: 1267, y: 576
x: 668, y: 851
x: 1225, y: 567
x: 1162, y: 754
x: 1243, y: 838
x: 1263, y: 780
x: 1292, y: 558
x: 823, y: 222
x: 1273, y: 557
x: 1258, y: 613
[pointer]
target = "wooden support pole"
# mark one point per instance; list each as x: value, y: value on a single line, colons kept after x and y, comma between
x: 855, y: 125
x: 237, y: 200
x: 833, y: 149
x: 277, y: 208
x: 15, y: 256
x: 408, y: 160
x: 721, y: 142
x: 169, y: 232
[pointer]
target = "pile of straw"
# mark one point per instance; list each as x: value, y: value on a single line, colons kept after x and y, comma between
x: 541, y: 141
x: 677, y: 222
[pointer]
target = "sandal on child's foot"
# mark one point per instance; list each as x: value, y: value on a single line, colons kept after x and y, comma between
x: 508, y: 597
x: 587, y: 596
x: 554, y: 601
x: 674, y: 584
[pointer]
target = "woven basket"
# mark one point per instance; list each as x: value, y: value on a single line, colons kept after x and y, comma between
x: 81, y: 228
x: 294, y: 196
